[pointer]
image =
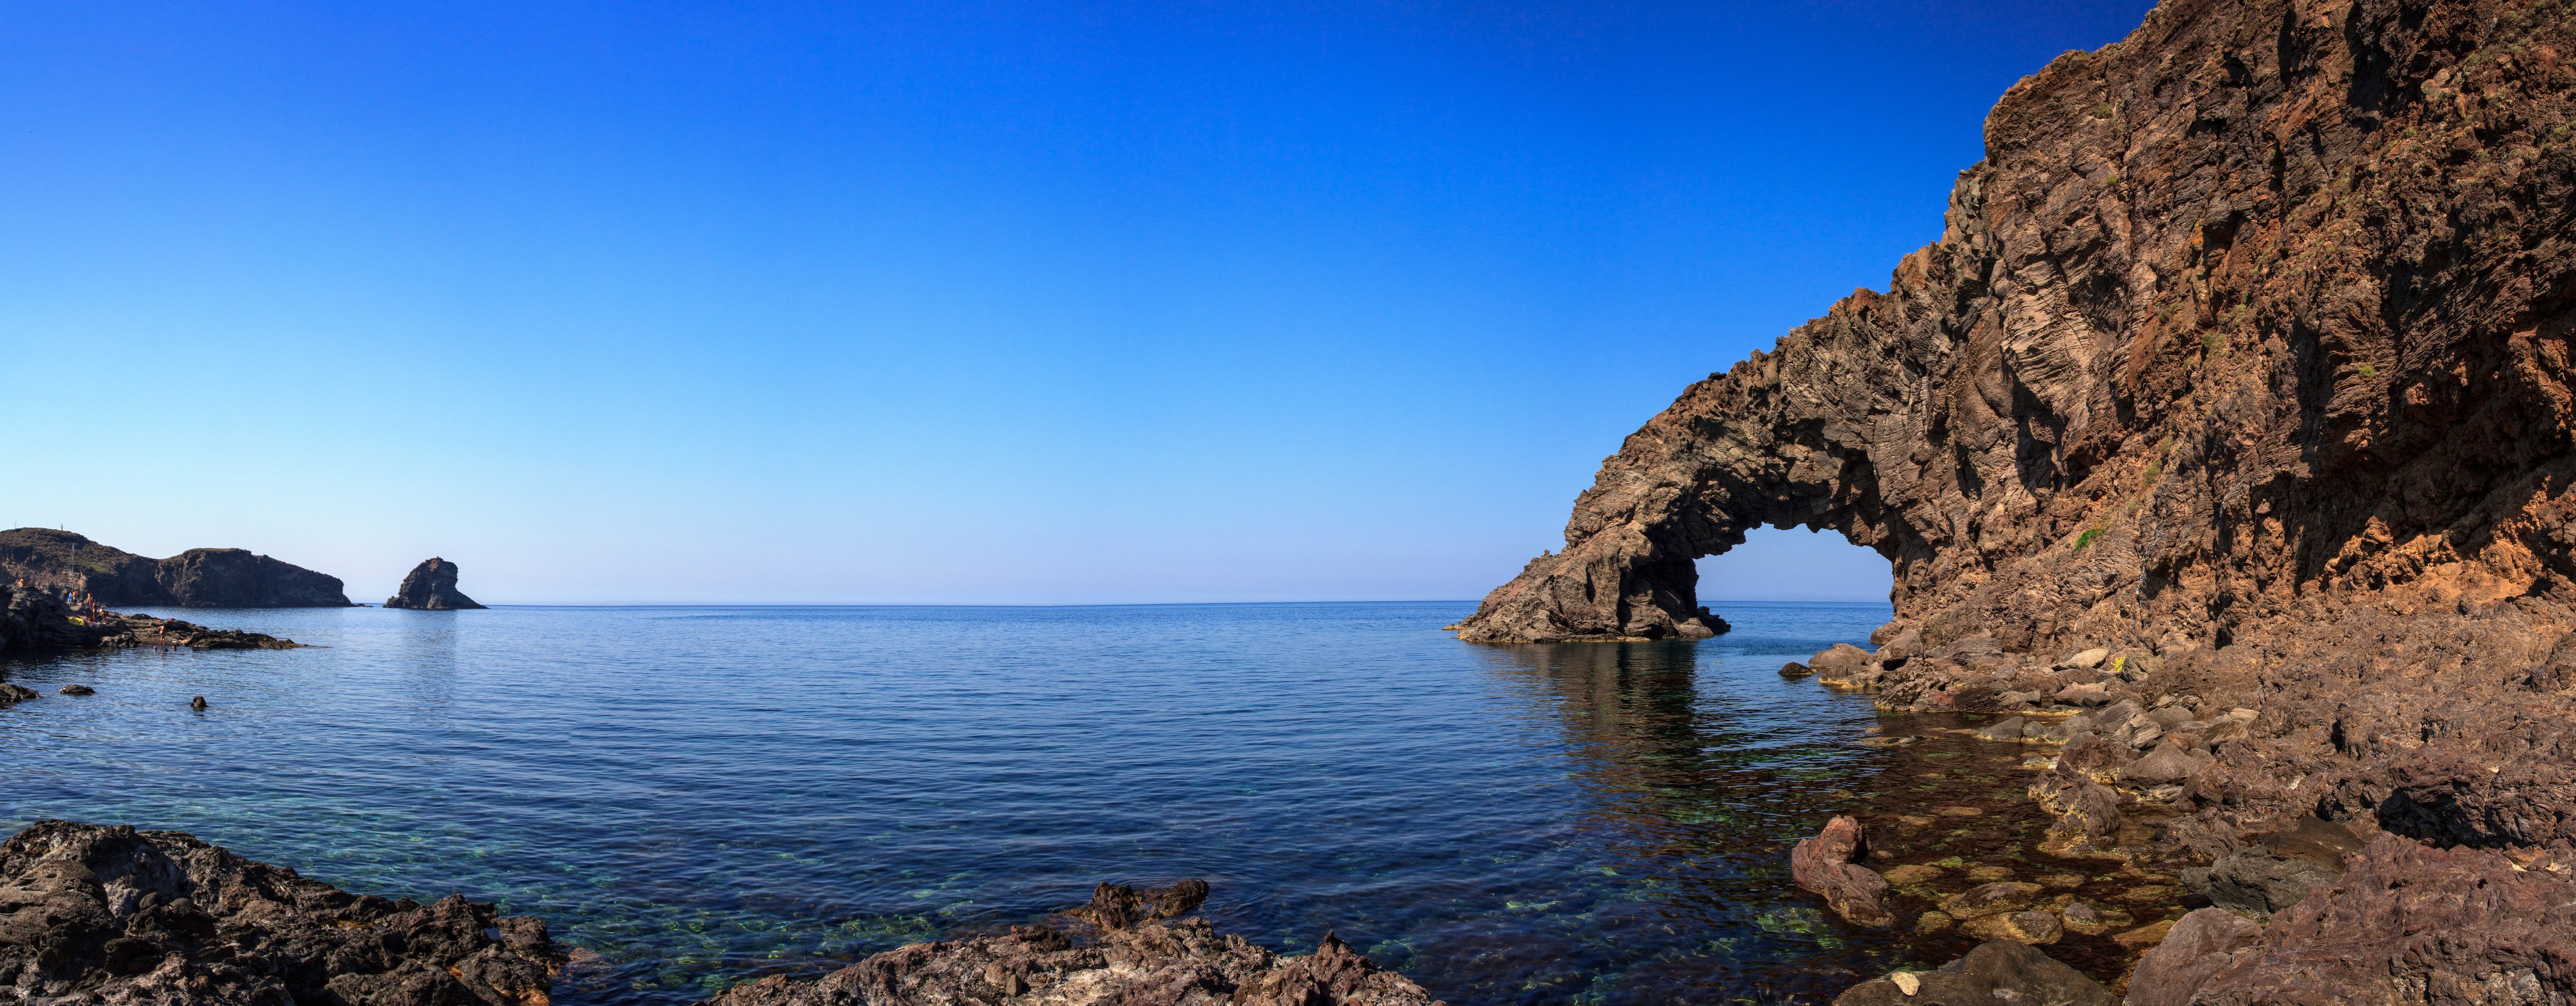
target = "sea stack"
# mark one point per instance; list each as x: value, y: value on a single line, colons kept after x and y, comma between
x: 431, y: 587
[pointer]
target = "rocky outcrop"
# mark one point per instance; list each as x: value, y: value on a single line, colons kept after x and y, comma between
x: 431, y: 586
x: 92, y: 914
x: 2269, y: 302
x: 1121, y: 954
x: 198, y: 578
x: 2245, y: 371
x: 33, y: 619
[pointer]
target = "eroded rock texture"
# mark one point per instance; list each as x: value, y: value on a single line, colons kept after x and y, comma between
x: 2267, y: 303
x: 96, y: 915
x: 1128, y: 957
x: 431, y: 586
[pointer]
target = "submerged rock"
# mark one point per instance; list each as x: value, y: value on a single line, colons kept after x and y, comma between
x: 431, y: 586
x: 1143, y: 961
x: 92, y: 914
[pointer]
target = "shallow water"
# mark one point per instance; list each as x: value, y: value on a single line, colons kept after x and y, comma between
x: 704, y: 794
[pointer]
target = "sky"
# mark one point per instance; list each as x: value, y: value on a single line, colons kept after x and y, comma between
x: 944, y: 301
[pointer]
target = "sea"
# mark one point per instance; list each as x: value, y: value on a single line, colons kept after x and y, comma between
x: 700, y: 795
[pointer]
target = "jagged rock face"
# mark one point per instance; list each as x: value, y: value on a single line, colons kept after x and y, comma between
x: 431, y: 586
x: 197, y: 578
x: 92, y: 914
x: 2270, y: 301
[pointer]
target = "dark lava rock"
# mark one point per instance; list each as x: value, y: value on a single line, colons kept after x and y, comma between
x: 431, y: 586
x: 198, y: 578
x: 1823, y: 864
x: 75, y: 690
x: 1996, y: 972
x: 11, y: 695
x: 92, y: 914
x: 1794, y: 669
x: 198, y: 703
x: 1144, y: 963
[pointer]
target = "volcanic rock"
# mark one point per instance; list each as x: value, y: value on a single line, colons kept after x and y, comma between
x: 92, y: 914
x: 1823, y: 864
x: 58, y: 561
x: 75, y: 690
x: 1997, y: 971
x: 11, y: 695
x: 2204, y: 943
x: 431, y: 586
x: 1145, y: 961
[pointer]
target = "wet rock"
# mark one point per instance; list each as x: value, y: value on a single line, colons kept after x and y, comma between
x: 2083, y: 918
x: 2144, y: 936
x: 2096, y: 756
x: 1989, y: 874
x: 1990, y: 899
x: 431, y: 586
x: 1934, y: 922
x: 2202, y: 944
x: 1823, y: 864
x: 75, y: 690
x: 2066, y: 881
x: 1179, y: 962
x: 1839, y: 656
x: 1911, y: 874
x: 198, y: 703
x: 1120, y: 906
x: 2035, y: 927
x: 111, y: 914
x: 2007, y: 730
x: 11, y: 695
x: 1794, y: 669
x: 1997, y: 971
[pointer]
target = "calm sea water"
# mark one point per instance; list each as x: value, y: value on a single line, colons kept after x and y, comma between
x: 704, y: 794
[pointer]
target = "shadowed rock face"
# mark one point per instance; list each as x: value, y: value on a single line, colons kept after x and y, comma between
x: 431, y: 586
x: 198, y: 578
x: 110, y: 914
x: 2267, y: 302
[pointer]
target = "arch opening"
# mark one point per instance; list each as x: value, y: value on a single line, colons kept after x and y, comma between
x: 1795, y: 565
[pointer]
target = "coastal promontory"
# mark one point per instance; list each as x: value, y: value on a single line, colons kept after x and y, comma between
x: 48, y: 559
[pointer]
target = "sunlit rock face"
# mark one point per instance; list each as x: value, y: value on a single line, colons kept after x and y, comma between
x: 2265, y: 304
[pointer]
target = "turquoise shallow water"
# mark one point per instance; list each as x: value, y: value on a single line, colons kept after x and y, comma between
x: 704, y: 794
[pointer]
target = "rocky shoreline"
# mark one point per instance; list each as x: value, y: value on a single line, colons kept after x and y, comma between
x: 94, y: 914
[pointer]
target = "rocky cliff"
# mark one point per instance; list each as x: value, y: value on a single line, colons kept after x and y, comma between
x: 2268, y: 303
x: 2245, y: 358
x: 431, y: 586
x: 197, y: 578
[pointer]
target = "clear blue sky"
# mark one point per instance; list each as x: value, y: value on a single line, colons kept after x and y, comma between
x: 941, y: 301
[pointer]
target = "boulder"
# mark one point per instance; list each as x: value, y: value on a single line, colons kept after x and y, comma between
x: 11, y: 695
x: 1996, y: 898
x: 2204, y: 943
x: 2167, y: 763
x: 1840, y: 655
x: 1823, y: 863
x: 2009, y: 729
x: 75, y: 690
x: 431, y: 586
x: 1997, y: 971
